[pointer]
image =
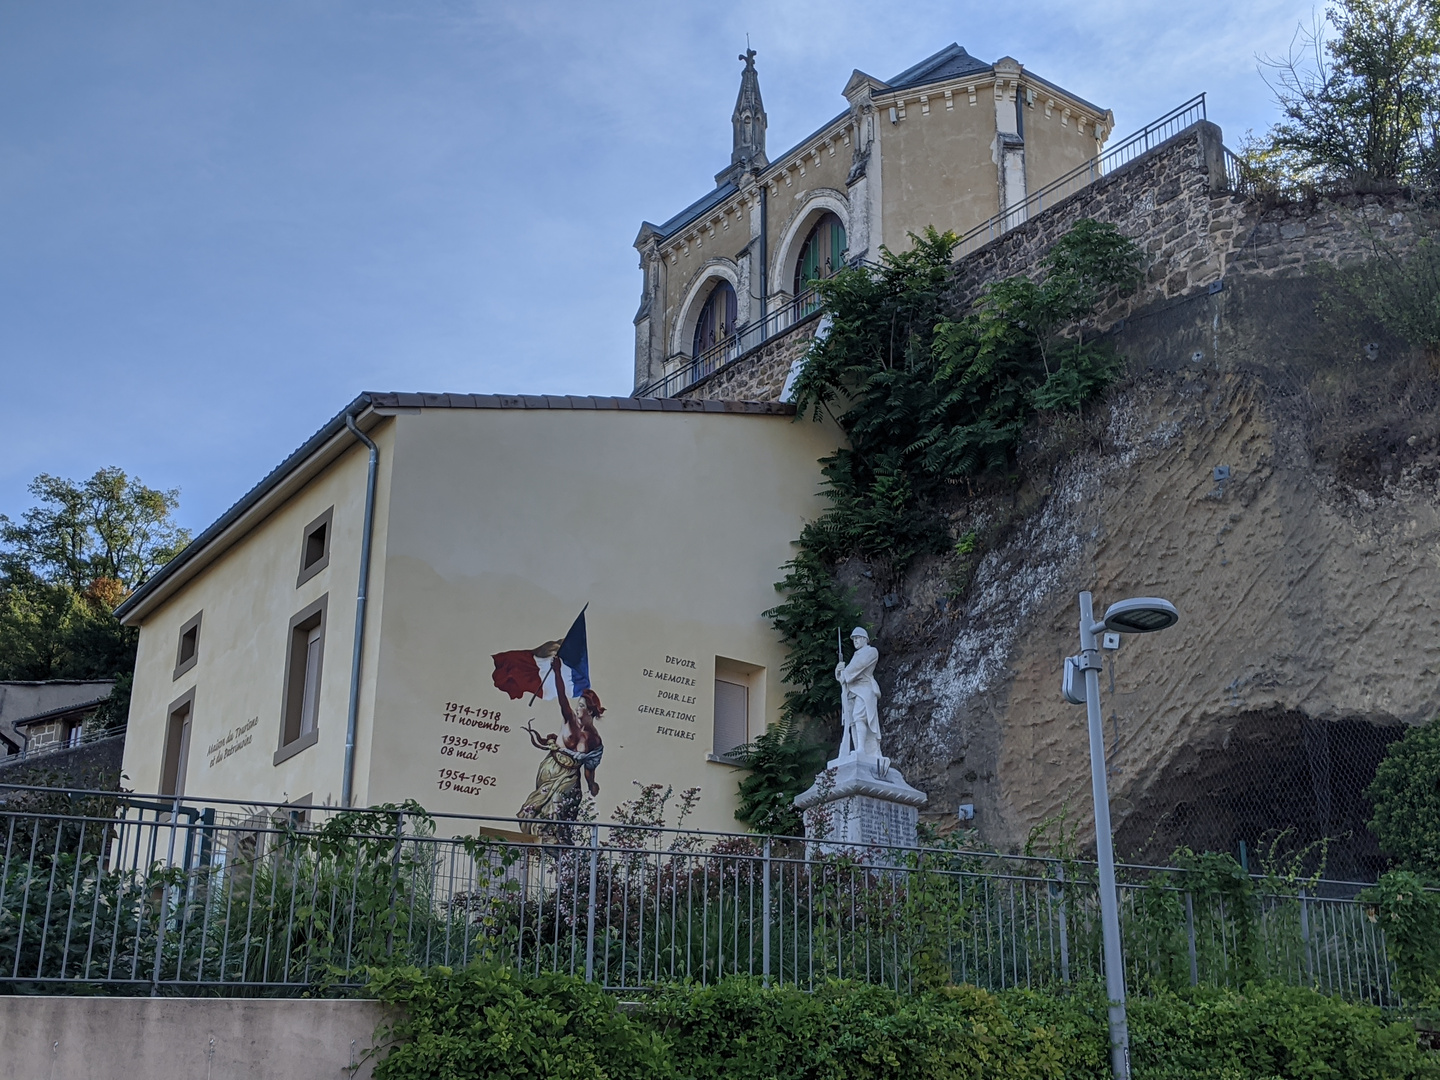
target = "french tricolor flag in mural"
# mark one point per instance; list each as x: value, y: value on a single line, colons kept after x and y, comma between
x: 532, y: 671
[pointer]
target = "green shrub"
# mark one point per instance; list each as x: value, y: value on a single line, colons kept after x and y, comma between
x: 1409, y: 914
x: 495, y: 1023
x: 491, y: 1023
x: 1406, y: 796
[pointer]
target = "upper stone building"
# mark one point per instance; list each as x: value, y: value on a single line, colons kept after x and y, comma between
x: 951, y: 142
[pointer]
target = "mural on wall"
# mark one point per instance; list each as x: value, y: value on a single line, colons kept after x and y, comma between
x: 557, y: 671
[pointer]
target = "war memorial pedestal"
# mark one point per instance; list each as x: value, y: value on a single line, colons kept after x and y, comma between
x: 861, y: 801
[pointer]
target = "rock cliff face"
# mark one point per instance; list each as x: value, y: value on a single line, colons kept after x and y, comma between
x: 1308, y: 582
x: 1306, y: 571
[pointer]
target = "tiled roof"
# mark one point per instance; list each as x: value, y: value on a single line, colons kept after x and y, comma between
x: 63, y: 710
x: 945, y: 64
x: 551, y: 401
x: 698, y: 207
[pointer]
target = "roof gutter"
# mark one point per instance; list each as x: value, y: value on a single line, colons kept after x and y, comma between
x: 353, y: 712
x: 134, y: 605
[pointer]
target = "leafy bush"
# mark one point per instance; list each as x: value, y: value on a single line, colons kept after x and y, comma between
x: 783, y: 762
x: 1406, y: 797
x: 1409, y: 914
x: 927, y: 397
x: 494, y: 1023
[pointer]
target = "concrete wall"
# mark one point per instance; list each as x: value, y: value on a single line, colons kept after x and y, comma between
x: 247, y: 597
x: 96, y: 1038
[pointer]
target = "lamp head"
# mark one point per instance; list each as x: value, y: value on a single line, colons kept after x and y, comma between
x: 1141, y: 615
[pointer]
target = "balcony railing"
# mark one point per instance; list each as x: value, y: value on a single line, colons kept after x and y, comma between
x: 1123, y: 152
x: 733, y: 347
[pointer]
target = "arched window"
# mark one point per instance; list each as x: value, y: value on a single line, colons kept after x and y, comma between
x: 822, y: 253
x: 717, y: 318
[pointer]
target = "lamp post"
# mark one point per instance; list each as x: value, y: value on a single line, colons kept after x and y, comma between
x: 1139, y: 615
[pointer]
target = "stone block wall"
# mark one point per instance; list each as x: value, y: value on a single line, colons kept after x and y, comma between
x: 1175, y: 203
x: 760, y: 374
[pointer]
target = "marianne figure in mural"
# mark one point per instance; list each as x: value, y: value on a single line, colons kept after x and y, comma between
x: 559, y: 671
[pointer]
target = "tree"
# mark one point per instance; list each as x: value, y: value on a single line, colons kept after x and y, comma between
x: 1359, y: 106
x: 1406, y: 796
x: 107, y: 528
x: 67, y: 563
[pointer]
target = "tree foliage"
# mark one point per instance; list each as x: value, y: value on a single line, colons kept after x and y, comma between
x: 1360, y: 96
x: 68, y: 562
x: 1406, y: 797
x: 1400, y: 293
x: 927, y: 397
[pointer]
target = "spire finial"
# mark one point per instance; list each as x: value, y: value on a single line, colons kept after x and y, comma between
x: 749, y: 119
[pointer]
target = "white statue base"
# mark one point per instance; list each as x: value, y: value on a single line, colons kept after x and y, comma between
x: 859, y: 803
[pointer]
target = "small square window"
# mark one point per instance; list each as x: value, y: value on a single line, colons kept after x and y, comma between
x: 315, y: 547
x: 187, y: 650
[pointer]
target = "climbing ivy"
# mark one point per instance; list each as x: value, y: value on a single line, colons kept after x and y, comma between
x: 928, y: 397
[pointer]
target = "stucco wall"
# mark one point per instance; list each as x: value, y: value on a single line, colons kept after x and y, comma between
x: 96, y: 1038
x: 248, y: 597
x: 505, y: 524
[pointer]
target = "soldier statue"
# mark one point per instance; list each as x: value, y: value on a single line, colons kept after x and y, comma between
x: 860, y: 699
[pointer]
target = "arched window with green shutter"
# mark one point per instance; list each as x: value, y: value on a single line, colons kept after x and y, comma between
x: 822, y: 253
x: 717, y: 319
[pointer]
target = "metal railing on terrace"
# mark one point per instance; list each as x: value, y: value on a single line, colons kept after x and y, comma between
x: 1121, y: 153
x: 733, y: 347
x: 143, y: 894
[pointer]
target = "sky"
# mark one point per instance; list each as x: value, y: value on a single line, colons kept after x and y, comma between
x: 221, y: 221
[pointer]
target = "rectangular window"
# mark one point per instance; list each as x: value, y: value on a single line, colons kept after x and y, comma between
x: 73, y: 730
x: 176, y: 757
x: 187, y: 651
x: 732, y: 716
x: 315, y: 547
x: 739, y: 691
x: 304, y: 664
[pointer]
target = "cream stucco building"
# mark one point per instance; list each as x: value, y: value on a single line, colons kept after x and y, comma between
x: 494, y: 523
x: 950, y: 142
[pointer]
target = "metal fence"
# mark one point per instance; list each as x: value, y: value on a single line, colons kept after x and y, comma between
x: 733, y: 347
x: 1121, y: 153
x: 143, y: 895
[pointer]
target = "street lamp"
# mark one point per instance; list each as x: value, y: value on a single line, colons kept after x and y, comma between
x: 1138, y: 615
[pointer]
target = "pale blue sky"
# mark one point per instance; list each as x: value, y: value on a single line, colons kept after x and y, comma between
x: 220, y: 221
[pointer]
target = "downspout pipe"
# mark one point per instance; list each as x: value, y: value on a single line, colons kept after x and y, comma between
x: 764, y: 256
x: 352, y: 714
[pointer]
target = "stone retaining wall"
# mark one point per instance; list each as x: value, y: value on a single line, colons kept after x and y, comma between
x: 1175, y: 203
x: 760, y: 374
